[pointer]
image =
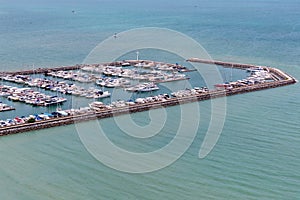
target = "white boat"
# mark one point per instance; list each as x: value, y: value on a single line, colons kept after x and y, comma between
x: 5, y: 107
x: 53, y: 101
x: 97, y: 105
x: 101, y: 82
x: 101, y: 94
x: 118, y: 104
x: 13, y: 98
x: 140, y: 100
x: 149, y: 88
x: 4, y: 94
x: 139, y: 65
x: 143, y: 87
x: 125, y: 64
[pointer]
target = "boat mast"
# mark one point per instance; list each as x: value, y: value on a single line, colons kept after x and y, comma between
x: 137, y: 55
x: 231, y: 73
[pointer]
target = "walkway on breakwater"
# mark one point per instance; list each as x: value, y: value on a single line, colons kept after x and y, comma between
x: 221, y: 63
x: 283, y: 80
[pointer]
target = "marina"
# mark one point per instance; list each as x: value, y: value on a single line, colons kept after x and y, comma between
x: 260, y: 78
x: 238, y: 140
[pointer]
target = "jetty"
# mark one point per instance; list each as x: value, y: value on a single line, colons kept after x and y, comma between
x: 280, y: 78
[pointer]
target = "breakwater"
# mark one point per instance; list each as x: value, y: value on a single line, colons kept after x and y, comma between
x: 282, y: 79
x: 277, y: 73
x: 222, y: 63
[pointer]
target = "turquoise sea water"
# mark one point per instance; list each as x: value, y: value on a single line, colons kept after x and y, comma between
x: 258, y: 153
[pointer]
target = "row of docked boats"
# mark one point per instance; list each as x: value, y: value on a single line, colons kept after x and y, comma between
x: 99, y: 106
x: 115, y: 107
x: 94, y: 106
x: 257, y: 75
x: 121, y: 79
x: 160, y: 66
x: 153, y: 75
x: 260, y: 75
x: 29, y: 96
x: 159, y: 76
x: 189, y: 92
x: 75, y: 76
x: 73, y: 89
x: 41, y: 117
x: 15, y: 121
x: 140, y: 64
x: 58, y: 86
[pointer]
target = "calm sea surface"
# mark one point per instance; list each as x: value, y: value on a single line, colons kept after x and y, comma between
x: 258, y: 153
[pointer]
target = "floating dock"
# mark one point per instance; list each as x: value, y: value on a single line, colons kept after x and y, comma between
x: 282, y: 79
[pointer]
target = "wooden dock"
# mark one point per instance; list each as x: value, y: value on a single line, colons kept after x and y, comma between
x: 283, y: 80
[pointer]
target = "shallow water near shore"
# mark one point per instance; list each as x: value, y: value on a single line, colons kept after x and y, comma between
x: 257, y: 155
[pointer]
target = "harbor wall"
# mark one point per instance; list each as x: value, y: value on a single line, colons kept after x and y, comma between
x: 221, y: 63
